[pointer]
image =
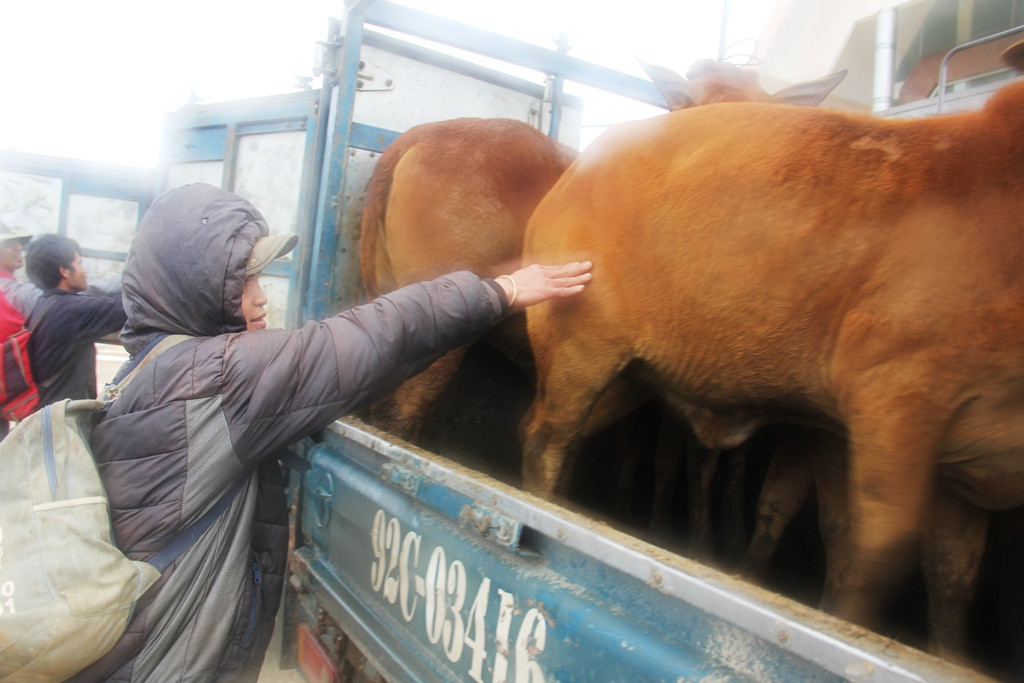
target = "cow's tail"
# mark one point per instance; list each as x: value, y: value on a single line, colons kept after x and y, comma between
x: 373, y: 239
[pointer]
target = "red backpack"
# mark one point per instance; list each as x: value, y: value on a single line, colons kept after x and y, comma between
x: 19, y: 396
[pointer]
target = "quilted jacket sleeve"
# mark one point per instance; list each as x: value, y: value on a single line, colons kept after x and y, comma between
x: 281, y: 386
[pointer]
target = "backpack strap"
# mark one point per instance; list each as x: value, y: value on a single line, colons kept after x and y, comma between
x: 163, y: 558
x: 44, y: 305
x: 293, y: 460
x: 159, y: 344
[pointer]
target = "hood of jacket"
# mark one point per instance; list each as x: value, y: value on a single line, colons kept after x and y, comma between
x: 185, y: 271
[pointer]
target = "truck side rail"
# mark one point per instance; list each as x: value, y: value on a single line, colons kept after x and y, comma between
x: 439, y: 573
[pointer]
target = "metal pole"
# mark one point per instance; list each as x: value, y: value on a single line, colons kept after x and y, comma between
x: 724, y: 31
x: 557, y: 83
x: 885, y: 59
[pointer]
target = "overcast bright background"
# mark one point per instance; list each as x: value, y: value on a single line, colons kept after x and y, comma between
x: 92, y: 80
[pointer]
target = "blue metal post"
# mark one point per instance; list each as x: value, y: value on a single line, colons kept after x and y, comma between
x: 556, y: 91
x: 335, y: 116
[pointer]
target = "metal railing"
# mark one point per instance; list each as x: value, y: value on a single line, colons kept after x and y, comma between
x: 944, y: 68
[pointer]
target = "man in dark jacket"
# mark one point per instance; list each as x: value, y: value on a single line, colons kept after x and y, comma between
x: 214, y: 410
x: 64, y: 326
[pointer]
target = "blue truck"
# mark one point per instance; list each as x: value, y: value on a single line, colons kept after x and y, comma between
x: 413, y: 564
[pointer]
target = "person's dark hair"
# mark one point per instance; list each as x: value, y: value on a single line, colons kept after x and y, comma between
x: 45, y: 256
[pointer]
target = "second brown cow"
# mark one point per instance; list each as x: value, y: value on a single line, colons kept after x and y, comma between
x: 445, y: 196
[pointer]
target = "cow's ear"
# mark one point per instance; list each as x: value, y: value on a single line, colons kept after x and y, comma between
x: 674, y: 88
x: 1013, y: 56
x: 809, y: 93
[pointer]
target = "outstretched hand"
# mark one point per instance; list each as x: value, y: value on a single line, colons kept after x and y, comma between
x: 537, y: 283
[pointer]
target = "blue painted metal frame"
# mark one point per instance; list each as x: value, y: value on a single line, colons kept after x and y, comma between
x: 371, y: 138
x: 210, y: 133
x: 87, y: 178
x: 613, y: 609
x: 333, y: 276
x: 556, y: 63
x: 459, y: 66
x: 333, y: 256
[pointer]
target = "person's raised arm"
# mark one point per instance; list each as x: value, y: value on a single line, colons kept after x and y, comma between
x: 104, y: 286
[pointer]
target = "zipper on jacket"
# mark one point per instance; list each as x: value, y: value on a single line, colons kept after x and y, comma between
x: 256, y: 608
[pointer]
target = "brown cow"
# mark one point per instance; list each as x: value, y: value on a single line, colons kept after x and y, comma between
x: 763, y: 263
x: 452, y: 195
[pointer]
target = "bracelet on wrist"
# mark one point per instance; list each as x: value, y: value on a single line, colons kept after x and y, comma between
x: 515, y: 289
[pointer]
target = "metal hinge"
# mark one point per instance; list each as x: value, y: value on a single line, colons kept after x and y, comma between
x: 492, y: 525
x: 326, y: 58
x: 372, y: 77
x: 402, y: 478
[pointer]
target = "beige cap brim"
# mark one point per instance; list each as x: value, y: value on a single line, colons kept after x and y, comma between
x: 8, y: 233
x: 267, y: 249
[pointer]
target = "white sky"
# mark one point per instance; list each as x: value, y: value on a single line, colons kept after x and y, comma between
x: 93, y: 79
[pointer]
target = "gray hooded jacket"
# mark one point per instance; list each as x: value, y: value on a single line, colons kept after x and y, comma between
x: 215, y: 409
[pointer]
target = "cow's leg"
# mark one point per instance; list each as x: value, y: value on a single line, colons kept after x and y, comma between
x: 952, y: 549
x: 701, y: 464
x: 567, y: 390
x: 403, y: 412
x: 734, y: 524
x: 891, y: 478
x: 787, y: 484
x: 627, y: 437
x: 672, y: 447
x: 830, y: 481
x: 616, y: 411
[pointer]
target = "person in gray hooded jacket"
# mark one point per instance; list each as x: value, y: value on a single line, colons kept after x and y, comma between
x: 215, y: 410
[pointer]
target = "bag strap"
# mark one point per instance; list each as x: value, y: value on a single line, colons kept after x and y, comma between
x: 293, y: 460
x: 163, y: 558
x: 43, y: 307
x: 159, y: 344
